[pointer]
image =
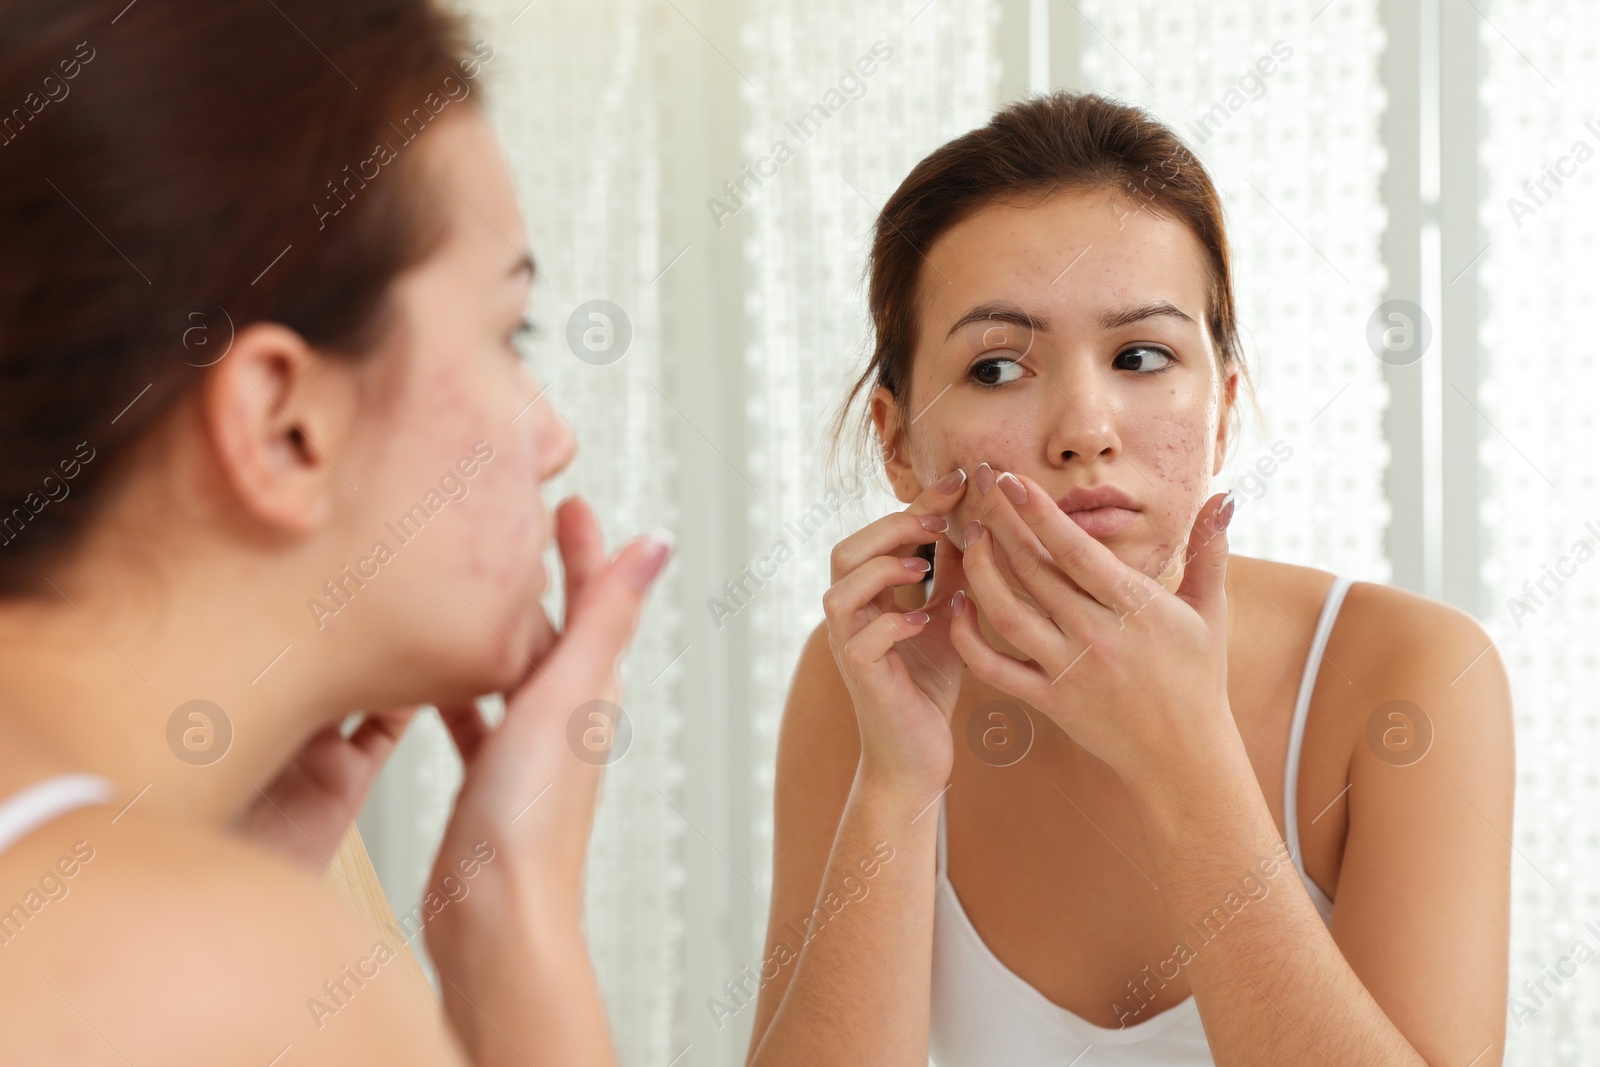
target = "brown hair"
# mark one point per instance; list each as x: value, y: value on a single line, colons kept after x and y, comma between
x: 184, y: 167
x: 1035, y: 147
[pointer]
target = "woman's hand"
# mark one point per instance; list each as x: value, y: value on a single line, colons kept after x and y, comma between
x: 1135, y: 674
x: 510, y: 949
x: 525, y: 791
x: 900, y: 668
x: 309, y: 807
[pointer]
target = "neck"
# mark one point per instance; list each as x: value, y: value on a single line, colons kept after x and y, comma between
x: 92, y: 683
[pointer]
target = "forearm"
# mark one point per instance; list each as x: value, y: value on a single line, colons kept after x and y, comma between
x: 860, y: 989
x: 1270, y: 982
x: 521, y: 989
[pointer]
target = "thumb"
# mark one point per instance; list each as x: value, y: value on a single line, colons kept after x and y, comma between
x: 1206, y: 564
x: 948, y: 576
x: 613, y: 598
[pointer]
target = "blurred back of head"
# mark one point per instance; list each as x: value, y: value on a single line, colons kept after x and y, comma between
x: 171, y: 174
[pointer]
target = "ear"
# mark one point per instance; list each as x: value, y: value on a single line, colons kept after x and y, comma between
x: 886, y: 418
x: 273, y: 413
x: 1230, y: 395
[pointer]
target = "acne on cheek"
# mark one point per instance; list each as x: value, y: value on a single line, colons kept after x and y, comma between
x: 502, y: 514
x: 939, y: 452
x: 1174, y: 452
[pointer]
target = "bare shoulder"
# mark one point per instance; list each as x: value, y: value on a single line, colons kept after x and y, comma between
x: 1403, y: 660
x: 146, y: 941
x: 1394, y: 631
x: 1387, y: 644
x: 1380, y: 629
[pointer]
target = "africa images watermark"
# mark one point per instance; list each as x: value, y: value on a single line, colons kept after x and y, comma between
x: 337, y: 993
x: 1252, y: 85
x: 852, y: 86
x: 740, y: 992
x: 737, y: 591
x: 1211, y: 926
x: 53, y: 887
x: 1565, y: 968
x: 12, y: 525
x: 342, y: 191
x: 354, y: 577
x: 1566, y: 166
x: 1551, y: 579
x: 52, y: 90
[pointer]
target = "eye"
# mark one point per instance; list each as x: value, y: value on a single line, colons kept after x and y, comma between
x: 1140, y: 355
x: 994, y: 372
x: 525, y: 331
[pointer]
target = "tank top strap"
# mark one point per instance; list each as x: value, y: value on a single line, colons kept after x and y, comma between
x: 1302, y: 707
x: 26, y: 811
x: 940, y: 849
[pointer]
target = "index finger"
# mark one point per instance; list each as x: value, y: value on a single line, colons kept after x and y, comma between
x: 889, y: 532
x: 1084, y: 559
x: 583, y: 550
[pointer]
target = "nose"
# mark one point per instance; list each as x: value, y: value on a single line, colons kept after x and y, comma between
x: 1081, y: 415
x: 555, y: 441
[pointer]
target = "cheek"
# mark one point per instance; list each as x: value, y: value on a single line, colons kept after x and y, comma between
x: 1173, y: 450
x: 951, y: 444
x: 500, y: 521
x: 506, y: 521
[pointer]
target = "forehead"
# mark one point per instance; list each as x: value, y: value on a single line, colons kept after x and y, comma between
x: 1066, y: 257
x: 471, y: 176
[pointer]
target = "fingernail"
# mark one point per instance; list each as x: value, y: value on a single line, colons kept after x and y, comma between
x: 917, y: 618
x: 952, y: 481
x: 958, y: 603
x: 1225, y: 513
x: 916, y: 564
x: 1013, y: 488
x: 933, y: 523
x: 647, y: 565
x: 974, y: 531
x: 984, y: 477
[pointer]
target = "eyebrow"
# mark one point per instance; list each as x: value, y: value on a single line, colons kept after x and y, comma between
x: 1001, y: 311
x: 523, y: 265
x: 1122, y: 317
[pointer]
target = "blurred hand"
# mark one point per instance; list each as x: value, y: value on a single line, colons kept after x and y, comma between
x: 525, y: 790
x: 309, y: 807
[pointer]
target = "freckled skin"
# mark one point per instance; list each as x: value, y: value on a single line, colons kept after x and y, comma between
x: 1067, y: 413
x: 451, y: 378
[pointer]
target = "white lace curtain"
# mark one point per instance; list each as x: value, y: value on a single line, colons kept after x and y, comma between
x: 1536, y: 287
x: 634, y: 128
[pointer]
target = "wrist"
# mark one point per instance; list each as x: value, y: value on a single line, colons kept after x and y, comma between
x: 896, y: 789
x: 512, y: 913
x: 1209, y: 778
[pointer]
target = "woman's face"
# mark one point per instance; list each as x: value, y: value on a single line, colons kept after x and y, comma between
x: 1066, y: 340
x: 455, y: 454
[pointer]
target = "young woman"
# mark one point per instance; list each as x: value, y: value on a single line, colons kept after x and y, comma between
x: 268, y: 456
x: 1110, y: 795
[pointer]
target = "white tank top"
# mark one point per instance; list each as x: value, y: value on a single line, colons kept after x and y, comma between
x: 984, y: 1013
x: 24, y: 812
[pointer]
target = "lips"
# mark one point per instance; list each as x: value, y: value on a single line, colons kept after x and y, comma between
x: 1100, y: 510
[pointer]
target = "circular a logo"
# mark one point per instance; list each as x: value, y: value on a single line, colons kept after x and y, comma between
x: 199, y: 732
x: 206, y: 335
x: 599, y: 732
x: 599, y: 332
x: 1399, y: 733
x: 1000, y: 732
x: 1398, y: 332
